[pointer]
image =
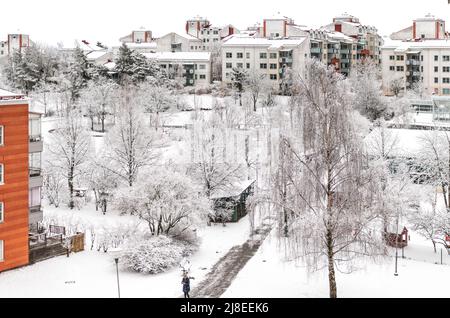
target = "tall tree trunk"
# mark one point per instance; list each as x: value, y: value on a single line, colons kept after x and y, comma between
x: 331, y: 271
x: 70, y: 181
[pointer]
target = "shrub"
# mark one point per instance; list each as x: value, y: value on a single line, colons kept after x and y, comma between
x: 156, y: 255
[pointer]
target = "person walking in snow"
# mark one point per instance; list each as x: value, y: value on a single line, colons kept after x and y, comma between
x: 186, y: 282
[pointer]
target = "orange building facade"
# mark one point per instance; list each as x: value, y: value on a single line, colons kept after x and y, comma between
x: 14, y: 181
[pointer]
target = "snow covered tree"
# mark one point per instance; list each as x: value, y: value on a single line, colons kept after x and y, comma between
x: 69, y: 150
x: 103, y: 183
x: 156, y: 100
x: 328, y: 198
x: 210, y: 165
x: 256, y: 85
x: 78, y: 73
x: 366, y: 85
x: 96, y: 100
x: 168, y: 201
x: 130, y: 145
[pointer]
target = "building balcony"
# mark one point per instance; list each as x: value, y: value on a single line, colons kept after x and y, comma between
x: 36, y: 179
x: 345, y: 51
x: 36, y: 144
x: 36, y: 214
x: 316, y: 50
x: 345, y: 60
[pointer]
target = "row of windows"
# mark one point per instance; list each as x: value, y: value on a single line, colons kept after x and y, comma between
x: 445, y: 80
x: 272, y: 77
x: 207, y: 40
x: 445, y: 69
x: 445, y: 58
x: 399, y: 68
x: 262, y: 66
x: 208, y: 32
x: 240, y: 55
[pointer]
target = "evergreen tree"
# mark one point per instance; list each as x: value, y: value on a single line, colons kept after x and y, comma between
x: 239, y: 78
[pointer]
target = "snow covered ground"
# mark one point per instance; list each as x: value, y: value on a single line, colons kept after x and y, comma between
x: 268, y: 276
x: 93, y: 274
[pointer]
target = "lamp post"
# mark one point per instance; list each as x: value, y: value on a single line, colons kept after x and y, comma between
x: 396, y: 248
x: 115, y: 252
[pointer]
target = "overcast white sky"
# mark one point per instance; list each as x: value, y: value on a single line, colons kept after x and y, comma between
x: 51, y: 21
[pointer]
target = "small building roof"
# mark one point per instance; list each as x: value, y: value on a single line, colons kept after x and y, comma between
x: 179, y: 56
x: 251, y: 41
x: 233, y: 190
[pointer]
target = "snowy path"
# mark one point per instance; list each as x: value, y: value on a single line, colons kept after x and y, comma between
x: 228, y: 267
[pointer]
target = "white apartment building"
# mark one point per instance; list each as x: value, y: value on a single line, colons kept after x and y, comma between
x: 138, y: 36
x: 427, y: 61
x: 420, y: 53
x: 15, y: 42
x: 175, y: 42
x: 193, y: 68
x: 266, y: 56
x: 209, y: 35
x: 368, y: 41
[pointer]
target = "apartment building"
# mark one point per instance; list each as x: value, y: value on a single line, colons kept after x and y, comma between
x: 20, y: 178
x: 270, y: 57
x: 14, y: 42
x: 426, y: 28
x: 366, y: 38
x: 418, y: 54
x: 192, y: 68
x: 210, y: 36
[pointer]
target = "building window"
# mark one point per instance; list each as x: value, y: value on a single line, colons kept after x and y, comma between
x: 202, y: 67
x: 446, y: 91
x: 2, y: 139
x: 273, y: 77
x: 229, y: 55
x: 436, y: 58
x: 392, y: 57
x: 446, y: 80
x: 2, y: 214
x: 240, y: 65
x: 229, y: 65
x: 436, y: 80
x: 247, y: 55
x: 262, y: 55
x: 436, y: 69
x: 273, y: 66
x: 202, y: 76
x: 248, y: 65
x: 273, y: 55
x: 400, y: 68
x: 446, y: 58
x: 2, y: 246
x: 2, y: 173
x: 391, y: 68
x: 400, y: 58
x: 263, y: 66
x: 446, y: 69
x: 240, y: 55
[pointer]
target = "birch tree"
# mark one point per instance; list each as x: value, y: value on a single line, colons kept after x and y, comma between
x: 130, y: 145
x: 329, y: 202
x: 69, y: 150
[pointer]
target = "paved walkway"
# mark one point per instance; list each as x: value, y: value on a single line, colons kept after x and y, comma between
x: 226, y: 269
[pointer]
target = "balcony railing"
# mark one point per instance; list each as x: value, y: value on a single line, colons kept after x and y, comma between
x: 35, y: 138
x: 316, y: 50
x: 35, y: 209
x: 35, y: 172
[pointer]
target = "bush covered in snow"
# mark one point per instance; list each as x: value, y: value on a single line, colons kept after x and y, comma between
x: 156, y: 255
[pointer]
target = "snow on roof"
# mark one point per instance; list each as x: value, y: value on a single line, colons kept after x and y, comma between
x: 401, y: 46
x: 96, y: 54
x: 110, y: 65
x: 144, y: 45
x: 234, y: 190
x: 339, y: 36
x: 84, y: 45
x: 179, y: 56
x: 251, y: 41
x: 5, y: 93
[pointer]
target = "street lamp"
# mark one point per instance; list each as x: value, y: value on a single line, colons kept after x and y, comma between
x: 115, y: 252
x: 396, y: 248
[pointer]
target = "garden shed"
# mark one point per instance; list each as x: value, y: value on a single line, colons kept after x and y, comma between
x: 233, y: 199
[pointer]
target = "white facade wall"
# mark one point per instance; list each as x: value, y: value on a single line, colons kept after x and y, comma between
x: 164, y: 44
x: 427, y: 64
x: 251, y: 60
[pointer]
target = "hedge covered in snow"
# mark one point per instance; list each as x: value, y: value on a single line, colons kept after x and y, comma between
x: 156, y: 255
